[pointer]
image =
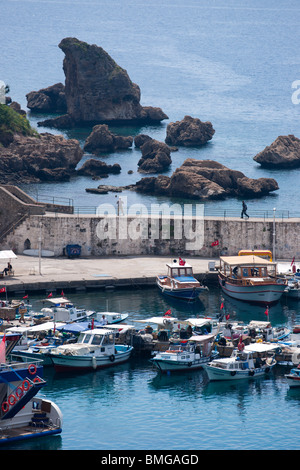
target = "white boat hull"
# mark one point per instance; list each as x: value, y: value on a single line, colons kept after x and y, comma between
x: 262, y: 294
x: 63, y: 362
x: 292, y: 380
x: 216, y: 373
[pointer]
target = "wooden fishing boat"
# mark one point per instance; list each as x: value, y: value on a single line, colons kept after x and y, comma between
x: 94, y: 349
x: 186, y: 355
x: 251, y: 279
x: 249, y: 361
x: 179, y: 282
x: 293, y: 378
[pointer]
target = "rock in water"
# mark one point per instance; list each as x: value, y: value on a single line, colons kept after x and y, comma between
x: 98, y: 90
x: 204, y: 180
x: 189, y: 132
x: 284, y: 152
x: 102, y: 140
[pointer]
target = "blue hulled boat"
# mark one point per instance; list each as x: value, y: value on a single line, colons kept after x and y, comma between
x: 180, y: 282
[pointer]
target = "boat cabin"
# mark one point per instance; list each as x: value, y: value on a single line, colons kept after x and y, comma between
x: 176, y: 270
x: 247, y: 268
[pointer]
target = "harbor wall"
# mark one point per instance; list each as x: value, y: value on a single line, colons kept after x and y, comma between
x: 207, y: 237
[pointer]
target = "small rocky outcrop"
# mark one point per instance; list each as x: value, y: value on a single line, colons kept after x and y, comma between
x: 45, y: 157
x: 95, y: 167
x: 102, y: 140
x: 189, y: 132
x: 140, y: 139
x: 155, y: 157
x: 98, y: 90
x: 204, y: 180
x: 48, y: 100
x: 284, y: 152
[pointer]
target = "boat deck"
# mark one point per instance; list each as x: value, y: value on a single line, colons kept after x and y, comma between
x: 167, y: 281
x: 26, y: 432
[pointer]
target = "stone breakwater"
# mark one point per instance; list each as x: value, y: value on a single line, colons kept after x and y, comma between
x: 173, y: 236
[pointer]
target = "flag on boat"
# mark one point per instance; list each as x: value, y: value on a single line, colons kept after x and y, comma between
x: 215, y: 243
x: 50, y: 295
x: 25, y: 297
x: 3, y: 289
x: 227, y: 316
x: 267, y: 311
x: 2, y: 350
x: 293, y: 261
x: 181, y: 262
x: 222, y: 306
x: 62, y: 293
x: 168, y: 312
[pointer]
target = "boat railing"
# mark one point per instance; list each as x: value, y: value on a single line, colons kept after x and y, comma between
x: 15, y: 362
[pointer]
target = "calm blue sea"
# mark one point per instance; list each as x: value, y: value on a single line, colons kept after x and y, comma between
x: 232, y: 63
x: 134, y: 407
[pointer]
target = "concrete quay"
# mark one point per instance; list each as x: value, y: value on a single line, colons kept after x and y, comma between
x: 51, y: 274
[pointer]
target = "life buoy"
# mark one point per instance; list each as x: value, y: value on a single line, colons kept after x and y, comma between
x: 19, y: 392
x: 112, y: 358
x: 26, y: 385
x: 37, y: 379
x: 189, y: 364
x: 11, y: 400
x: 251, y: 372
x: 233, y: 373
x: 32, y: 369
x: 5, y: 406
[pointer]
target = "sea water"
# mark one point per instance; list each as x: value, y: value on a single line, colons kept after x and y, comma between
x: 134, y: 407
x: 232, y: 63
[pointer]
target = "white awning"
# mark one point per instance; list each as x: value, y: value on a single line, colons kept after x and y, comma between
x: 7, y: 254
x: 201, y: 338
x: 261, y: 347
x: 42, y: 327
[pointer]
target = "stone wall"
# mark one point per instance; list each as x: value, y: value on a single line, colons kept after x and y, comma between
x: 157, y: 236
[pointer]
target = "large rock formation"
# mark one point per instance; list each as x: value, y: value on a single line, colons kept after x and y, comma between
x: 98, y: 90
x: 155, y: 157
x: 102, y: 140
x: 284, y: 152
x: 189, y: 132
x: 206, y: 179
x: 46, y: 157
x: 48, y: 100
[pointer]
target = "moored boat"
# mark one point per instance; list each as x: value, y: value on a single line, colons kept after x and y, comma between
x: 61, y: 309
x: 179, y: 282
x: 94, y: 349
x: 293, y: 378
x: 292, y: 290
x: 186, y: 355
x: 250, y: 361
x: 23, y: 415
x: 110, y: 318
x: 251, y: 279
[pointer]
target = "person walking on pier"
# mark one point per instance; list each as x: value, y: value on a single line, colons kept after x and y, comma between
x: 244, y: 210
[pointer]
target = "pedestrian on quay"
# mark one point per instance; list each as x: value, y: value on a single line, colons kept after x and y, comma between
x: 244, y: 210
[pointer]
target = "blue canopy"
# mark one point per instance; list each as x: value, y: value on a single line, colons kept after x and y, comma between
x: 77, y: 327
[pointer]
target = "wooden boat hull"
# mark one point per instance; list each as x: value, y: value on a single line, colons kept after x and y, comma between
x: 165, y: 365
x: 217, y: 374
x: 183, y: 293
x: 265, y: 294
x: 293, y: 381
x: 63, y: 363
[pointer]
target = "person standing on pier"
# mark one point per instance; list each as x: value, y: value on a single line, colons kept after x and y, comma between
x: 244, y: 210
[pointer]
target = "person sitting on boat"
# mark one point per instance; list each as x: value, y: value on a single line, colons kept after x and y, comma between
x: 103, y: 322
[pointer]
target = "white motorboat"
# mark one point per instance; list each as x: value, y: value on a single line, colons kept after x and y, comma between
x: 254, y: 360
x: 251, y: 279
x: 61, y: 309
x: 292, y: 290
x: 180, y: 282
x: 110, y: 318
x: 293, y: 378
x: 94, y: 349
x: 186, y: 355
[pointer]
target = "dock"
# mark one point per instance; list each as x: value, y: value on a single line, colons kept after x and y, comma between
x: 33, y: 274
